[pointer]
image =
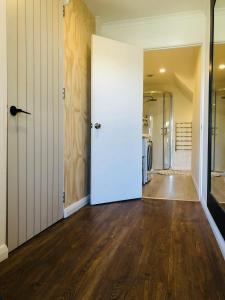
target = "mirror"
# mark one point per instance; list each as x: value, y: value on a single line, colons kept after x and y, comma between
x: 216, y: 193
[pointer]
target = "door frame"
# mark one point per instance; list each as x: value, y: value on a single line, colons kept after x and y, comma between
x: 3, y: 131
x: 200, y: 188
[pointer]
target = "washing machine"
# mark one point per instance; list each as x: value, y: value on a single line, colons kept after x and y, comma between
x: 147, y: 148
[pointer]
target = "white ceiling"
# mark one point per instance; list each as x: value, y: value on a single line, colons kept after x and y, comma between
x: 110, y: 10
x: 177, y: 61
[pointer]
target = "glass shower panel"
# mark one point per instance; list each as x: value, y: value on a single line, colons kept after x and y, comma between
x: 167, y: 130
x: 154, y: 112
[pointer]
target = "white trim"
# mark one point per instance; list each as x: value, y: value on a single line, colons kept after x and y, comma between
x: 178, y: 46
x: 153, y: 19
x: 152, y: 33
x: 68, y: 211
x: 3, y: 252
x: 3, y: 129
x: 215, y: 229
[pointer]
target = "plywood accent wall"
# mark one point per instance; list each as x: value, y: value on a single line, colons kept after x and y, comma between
x: 79, y: 27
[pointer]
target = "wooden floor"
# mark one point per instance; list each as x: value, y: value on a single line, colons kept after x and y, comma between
x: 173, y: 187
x: 131, y: 250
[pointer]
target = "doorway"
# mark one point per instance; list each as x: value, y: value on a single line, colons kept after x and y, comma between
x: 171, y: 85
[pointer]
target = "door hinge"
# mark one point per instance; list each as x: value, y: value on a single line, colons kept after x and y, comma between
x: 64, y: 93
x: 64, y: 11
x: 64, y: 197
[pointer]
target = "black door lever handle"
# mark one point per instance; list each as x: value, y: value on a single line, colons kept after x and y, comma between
x: 14, y: 111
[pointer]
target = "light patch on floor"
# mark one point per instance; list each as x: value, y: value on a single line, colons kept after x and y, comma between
x: 170, y: 172
x: 172, y: 187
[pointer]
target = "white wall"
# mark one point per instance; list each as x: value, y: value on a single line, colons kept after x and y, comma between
x: 3, y: 129
x: 155, y: 32
x: 220, y: 25
x: 195, y: 167
x: 183, y: 110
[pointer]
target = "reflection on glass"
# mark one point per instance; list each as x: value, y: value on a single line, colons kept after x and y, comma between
x: 218, y: 108
x: 167, y: 130
x: 158, y: 125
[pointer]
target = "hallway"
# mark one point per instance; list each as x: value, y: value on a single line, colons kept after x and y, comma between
x: 131, y: 250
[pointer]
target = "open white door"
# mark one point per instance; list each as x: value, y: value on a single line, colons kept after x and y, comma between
x: 117, y: 107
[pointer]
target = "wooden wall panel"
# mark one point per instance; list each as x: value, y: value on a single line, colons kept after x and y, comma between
x: 79, y: 27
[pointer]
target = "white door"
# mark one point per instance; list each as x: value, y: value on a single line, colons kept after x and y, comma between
x: 35, y: 140
x: 117, y: 108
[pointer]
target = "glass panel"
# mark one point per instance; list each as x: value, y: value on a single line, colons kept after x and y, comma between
x: 153, y: 120
x: 218, y: 108
x: 167, y: 131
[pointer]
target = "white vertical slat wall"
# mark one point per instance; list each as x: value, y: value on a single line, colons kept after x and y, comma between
x: 13, y: 191
x: 44, y: 108
x: 21, y: 130
x: 60, y: 57
x: 35, y: 142
x: 30, y: 120
x: 3, y: 129
x: 37, y: 118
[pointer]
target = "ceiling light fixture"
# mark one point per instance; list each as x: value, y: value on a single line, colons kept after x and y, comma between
x: 162, y: 70
x: 222, y: 67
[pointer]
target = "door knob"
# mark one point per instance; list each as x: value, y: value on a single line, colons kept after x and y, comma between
x: 14, y: 111
x: 98, y: 126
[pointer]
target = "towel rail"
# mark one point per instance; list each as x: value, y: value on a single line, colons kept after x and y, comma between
x: 183, y: 134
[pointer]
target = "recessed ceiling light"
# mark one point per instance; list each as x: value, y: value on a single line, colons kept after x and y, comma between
x: 162, y: 70
x: 222, y: 67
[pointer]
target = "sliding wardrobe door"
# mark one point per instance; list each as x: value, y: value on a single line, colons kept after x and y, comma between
x: 216, y: 159
x: 35, y: 117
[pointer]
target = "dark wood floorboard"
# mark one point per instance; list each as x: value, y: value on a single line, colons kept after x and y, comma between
x: 132, y: 250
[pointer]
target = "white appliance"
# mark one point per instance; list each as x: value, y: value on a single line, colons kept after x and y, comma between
x: 146, y: 159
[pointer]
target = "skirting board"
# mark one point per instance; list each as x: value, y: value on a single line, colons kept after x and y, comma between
x: 3, y: 252
x: 68, y: 211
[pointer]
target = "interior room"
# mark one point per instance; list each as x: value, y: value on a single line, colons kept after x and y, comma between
x: 171, y: 85
x: 108, y: 109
